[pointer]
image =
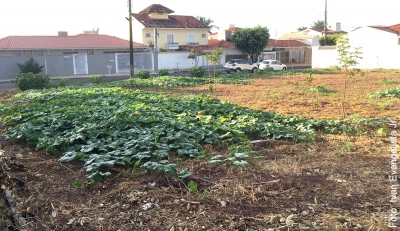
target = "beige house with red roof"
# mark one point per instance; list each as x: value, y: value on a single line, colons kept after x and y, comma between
x: 173, y: 30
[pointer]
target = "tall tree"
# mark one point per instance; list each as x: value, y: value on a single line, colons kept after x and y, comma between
x: 301, y: 28
x: 251, y: 41
x: 318, y: 24
x: 208, y: 22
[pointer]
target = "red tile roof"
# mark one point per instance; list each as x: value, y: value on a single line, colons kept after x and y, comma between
x: 80, y: 41
x: 156, y: 8
x: 395, y: 27
x: 385, y: 28
x: 233, y: 29
x: 286, y: 43
x: 173, y: 21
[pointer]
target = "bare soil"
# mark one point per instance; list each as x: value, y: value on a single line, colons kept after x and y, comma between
x: 339, y: 182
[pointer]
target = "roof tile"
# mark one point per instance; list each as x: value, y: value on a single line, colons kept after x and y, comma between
x: 156, y: 8
x: 80, y: 41
x: 173, y: 21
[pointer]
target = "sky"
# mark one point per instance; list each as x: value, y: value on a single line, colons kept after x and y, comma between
x: 47, y: 17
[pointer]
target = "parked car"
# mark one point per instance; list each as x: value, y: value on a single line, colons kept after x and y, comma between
x: 275, y: 64
x: 239, y: 65
x: 258, y: 62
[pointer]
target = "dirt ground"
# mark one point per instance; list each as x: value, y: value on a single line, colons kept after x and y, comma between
x: 339, y: 182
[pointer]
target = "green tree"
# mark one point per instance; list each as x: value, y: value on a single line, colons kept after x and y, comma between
x: 318, y: 24
x: 208, y: 22
x: 251, y: 41
x: 194, y: 54
x: 301, y: 28
x: 30, y: 66
x: 348, y: 57
x: 330, y: 40
x: 214, y: 57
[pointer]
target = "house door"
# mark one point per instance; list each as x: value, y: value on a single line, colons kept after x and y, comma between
x: 80, y: 64
x: 123, y: 63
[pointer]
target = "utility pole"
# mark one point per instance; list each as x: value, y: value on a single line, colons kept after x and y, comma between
x: 132, y: 70
x: 156, y: 49
x: 325, y: 23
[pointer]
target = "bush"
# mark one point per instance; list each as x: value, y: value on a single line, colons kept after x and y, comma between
x: 27, y: 81
x: 62, y: 82
x: 143, y: 74
x: 197, y: 71
x: 30, y: 66
x: 218, y: 73
x: 97, y: 79
x: 163, y: 72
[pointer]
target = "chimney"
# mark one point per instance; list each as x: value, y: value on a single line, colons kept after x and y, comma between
x: 63, y: 33
x: 231, y: 26
x: 338, y: 27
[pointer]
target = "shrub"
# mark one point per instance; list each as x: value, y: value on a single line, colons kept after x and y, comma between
x: 62, y: 82
x: 163, y: 72
x: 27, y: 81
x: 218, y: 73
x: 30, y: 66
x: 197, y: 71
x: 97, y: 79
x: 143, y: 74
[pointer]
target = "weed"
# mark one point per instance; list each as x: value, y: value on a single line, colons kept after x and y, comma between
x: 204, y: 194
x: 97, y: 79
x: 389, y: 81
x: 192, y: 186
x: 77, y: 184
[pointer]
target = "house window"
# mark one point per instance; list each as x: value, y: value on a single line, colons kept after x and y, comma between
x: 17, y: 52
x: 170, y: 38
x: 203, y: 35
x: 90, y: 51
x: 191, y: 38
x: 160, y: 13
x: 147, y: 35
x: 39, y: 52
x: 28, y: 52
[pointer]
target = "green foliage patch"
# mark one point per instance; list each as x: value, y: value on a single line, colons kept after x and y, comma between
x: 197, y: 71
x: 105, y: 127
x: 393, y: 92
x: 180, y: 81
x: 27, y: 81
x: 143, y: 74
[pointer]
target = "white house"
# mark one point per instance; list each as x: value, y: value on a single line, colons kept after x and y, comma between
x: 310, y: 36
x: 379, y: 45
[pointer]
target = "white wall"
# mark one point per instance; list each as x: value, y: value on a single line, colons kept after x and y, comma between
x: 379, y: 50
x: 169, y: 60
x: 372, y: 57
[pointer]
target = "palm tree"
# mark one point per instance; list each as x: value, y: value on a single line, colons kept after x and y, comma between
x: 207, y: 22
x: 318, y: 24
